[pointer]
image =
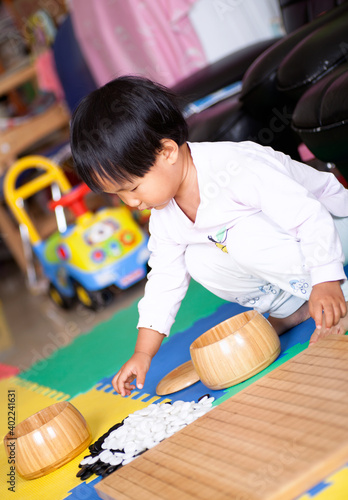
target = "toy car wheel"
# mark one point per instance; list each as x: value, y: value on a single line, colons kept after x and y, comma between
x: 58, y: 298
x: 93, y: 299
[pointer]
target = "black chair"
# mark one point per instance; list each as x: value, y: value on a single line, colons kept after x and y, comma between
x: 294, y: 91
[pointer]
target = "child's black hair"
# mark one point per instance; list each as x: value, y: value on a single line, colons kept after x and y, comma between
x: 116, y: 131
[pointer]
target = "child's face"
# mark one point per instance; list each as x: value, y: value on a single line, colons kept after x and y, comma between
x: 154, y: 190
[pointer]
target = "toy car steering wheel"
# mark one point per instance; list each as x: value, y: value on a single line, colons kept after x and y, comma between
x: 73, y: 200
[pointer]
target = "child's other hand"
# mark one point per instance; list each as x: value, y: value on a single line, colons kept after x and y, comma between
x: 135, y: 368
x: 327, y: 300
x: 339, y: 329
x: 326, y: 306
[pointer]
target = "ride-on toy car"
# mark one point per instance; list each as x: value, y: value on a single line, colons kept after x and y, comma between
x: 83, y: 259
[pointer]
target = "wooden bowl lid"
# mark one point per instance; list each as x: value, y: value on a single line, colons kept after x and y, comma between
x: 181, y: 377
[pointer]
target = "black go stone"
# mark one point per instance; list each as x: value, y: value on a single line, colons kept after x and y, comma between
x: 84, y: 468
x: 86, y: 475
x: 114, y: 427
x: 97, y: 447
x: 99, y: 467
x: 93, y: 451
x: 111, y: 469
x: 205, y: 395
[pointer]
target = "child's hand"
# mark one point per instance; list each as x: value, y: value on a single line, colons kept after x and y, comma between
x: 136, y: 367
x: 327, y: 299
x: 148, y: 343
x: 326, y: 306
x: 340, y: 329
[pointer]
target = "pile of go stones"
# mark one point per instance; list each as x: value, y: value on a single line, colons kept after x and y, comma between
x: 139, y: 432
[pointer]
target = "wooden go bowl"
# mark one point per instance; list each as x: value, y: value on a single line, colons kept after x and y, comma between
x: 47, y: 440
x: 234, y: 350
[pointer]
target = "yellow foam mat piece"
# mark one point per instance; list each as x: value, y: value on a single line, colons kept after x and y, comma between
x: 337, y: 488
x: 29, y: 399
x: 100, y: 409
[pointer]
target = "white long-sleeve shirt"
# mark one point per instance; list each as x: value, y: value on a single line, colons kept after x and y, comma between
x: 237, y: 180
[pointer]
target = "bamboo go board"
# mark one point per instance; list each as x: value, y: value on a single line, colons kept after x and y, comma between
x: 272, y: 441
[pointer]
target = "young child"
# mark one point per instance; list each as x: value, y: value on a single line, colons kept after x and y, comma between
x: 250, y: 224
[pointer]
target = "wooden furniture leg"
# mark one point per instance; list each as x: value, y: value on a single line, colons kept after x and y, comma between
x: 11, y: 235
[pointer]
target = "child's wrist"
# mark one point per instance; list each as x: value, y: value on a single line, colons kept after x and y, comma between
x: 148, y: 341
x: 143, y: 352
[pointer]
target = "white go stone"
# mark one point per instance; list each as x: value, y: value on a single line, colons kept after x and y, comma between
x: 159, y: 436
x: 121, y: 431
x: 157, y: 427
x: 186, y: 406
x: 113, y: 444
x: 130, y: 447
x: 203, y: 400
x: 145, y: 427
x: 111, y: 435
x: 165, y: 407
x: 176, y: 410
x: 86, y: 460
x: 116, y: 460
x: 104, y: 456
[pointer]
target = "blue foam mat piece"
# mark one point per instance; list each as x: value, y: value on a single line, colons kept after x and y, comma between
x: 177, y: 351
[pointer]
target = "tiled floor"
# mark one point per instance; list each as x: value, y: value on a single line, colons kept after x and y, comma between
x: 36, y: 326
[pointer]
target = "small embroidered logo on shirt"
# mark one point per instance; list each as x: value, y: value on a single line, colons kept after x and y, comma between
x: 219, y: 239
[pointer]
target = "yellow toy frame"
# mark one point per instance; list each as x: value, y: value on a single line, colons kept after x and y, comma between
x: 53, y: 174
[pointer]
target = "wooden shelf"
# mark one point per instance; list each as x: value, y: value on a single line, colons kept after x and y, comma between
x: 15, y: 140
x: 16, y: 76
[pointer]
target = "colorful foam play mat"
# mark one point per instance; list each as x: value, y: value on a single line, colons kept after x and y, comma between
x: 81, y: 372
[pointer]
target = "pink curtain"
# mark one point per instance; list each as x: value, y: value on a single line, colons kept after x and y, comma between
x: 152, y: 38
